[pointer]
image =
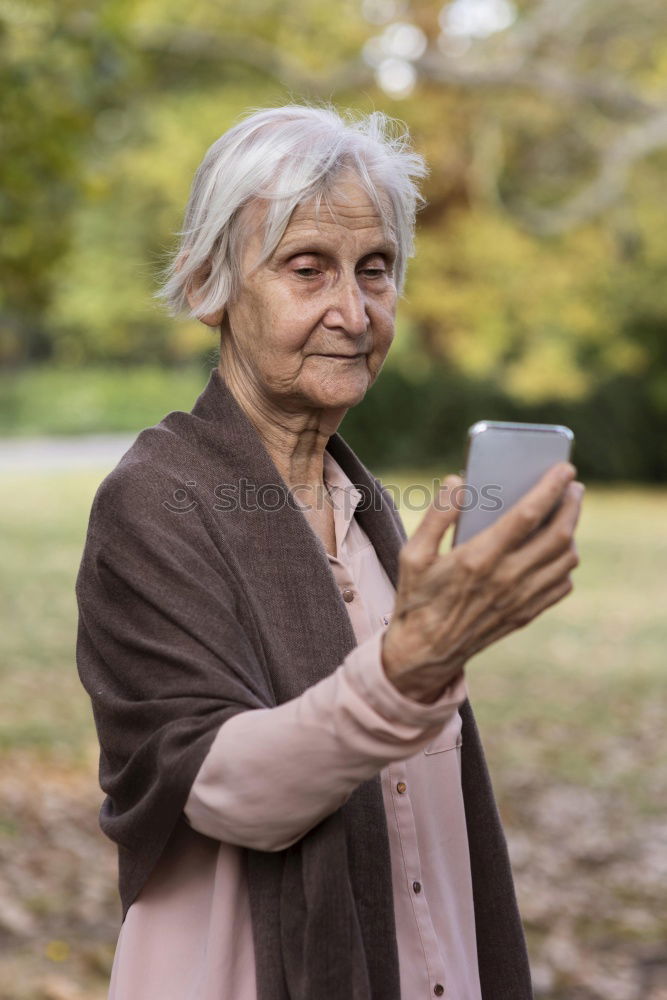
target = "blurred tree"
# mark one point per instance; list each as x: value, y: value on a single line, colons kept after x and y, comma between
x: 538, y: 119
x: 61, y: 66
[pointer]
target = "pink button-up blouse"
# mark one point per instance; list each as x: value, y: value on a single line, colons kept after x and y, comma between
x: 273, y: 774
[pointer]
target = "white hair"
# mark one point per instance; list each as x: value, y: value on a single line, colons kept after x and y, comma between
x: 286, y: 156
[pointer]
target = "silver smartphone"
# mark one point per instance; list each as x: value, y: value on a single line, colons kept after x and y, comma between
x: 503, y: 461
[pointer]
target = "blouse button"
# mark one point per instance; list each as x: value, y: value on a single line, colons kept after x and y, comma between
x: 438, y: 989
x: 401, y: 787
x: 348, y: 595
x: 417, y: 886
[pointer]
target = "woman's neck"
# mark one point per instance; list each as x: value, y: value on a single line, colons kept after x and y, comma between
x: 295, y: 440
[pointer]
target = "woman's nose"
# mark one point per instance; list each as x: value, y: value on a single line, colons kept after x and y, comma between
x: 348, y: 308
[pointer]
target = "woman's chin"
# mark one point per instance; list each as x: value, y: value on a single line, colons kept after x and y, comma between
x: 340, y: 391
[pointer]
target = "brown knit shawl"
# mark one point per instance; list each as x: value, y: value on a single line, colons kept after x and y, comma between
x: 193, y: 608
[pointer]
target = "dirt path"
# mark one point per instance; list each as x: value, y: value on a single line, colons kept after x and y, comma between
x: 41, y: 454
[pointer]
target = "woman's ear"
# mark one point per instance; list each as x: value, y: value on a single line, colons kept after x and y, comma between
x: 213, y: 319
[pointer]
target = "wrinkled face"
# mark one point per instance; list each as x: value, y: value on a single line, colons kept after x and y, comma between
x: 312, y: 325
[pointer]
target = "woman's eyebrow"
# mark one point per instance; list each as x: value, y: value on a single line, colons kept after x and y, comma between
x: 306, y: 241
x: 387, y: 249
x: 294, y: 247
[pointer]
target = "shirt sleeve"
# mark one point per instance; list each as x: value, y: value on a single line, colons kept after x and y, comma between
x: 273, y: 774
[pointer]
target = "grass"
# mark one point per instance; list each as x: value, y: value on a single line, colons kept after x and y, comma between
x: 587, y: 669
x: 564, y: 695
x: 571, y: 709
x: 43, y: 524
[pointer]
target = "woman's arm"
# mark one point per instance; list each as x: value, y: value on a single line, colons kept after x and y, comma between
x: 273, y: 774
x: 169, y: 656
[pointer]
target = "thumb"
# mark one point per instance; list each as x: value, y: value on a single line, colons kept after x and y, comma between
x: 441, y: 514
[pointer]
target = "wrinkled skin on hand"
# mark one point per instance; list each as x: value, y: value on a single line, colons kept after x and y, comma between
x: 450, y: 606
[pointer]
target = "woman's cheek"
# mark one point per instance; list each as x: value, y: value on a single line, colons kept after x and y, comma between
x: 387, y: 333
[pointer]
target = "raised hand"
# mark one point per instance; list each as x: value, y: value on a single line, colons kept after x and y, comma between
x: 450, y: 606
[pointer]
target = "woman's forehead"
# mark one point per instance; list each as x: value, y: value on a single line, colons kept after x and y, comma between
x: 335, y: 211
x: 346, y: 208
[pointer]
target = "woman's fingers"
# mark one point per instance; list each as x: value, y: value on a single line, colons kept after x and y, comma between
x: 548, y: 543
x: 524, y: 517
x: 423, y: 546
x: 541, y: 579
x: 450, y: 607
x: 502, y: 624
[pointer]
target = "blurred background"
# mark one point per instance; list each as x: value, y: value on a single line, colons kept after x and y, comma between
x: 538, y: 292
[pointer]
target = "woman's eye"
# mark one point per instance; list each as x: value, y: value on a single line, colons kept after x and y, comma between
x: 374, y: 272
x: 306, y: 272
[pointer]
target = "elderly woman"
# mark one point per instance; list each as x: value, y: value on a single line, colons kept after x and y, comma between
x: 292, y: 771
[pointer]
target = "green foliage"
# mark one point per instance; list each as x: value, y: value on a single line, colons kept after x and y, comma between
x: 57, y: 74
x: 416, y: 423
x: 415, y: 420
x: 52, y: 401
x: 503, y: 305
x: 108, y: 110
